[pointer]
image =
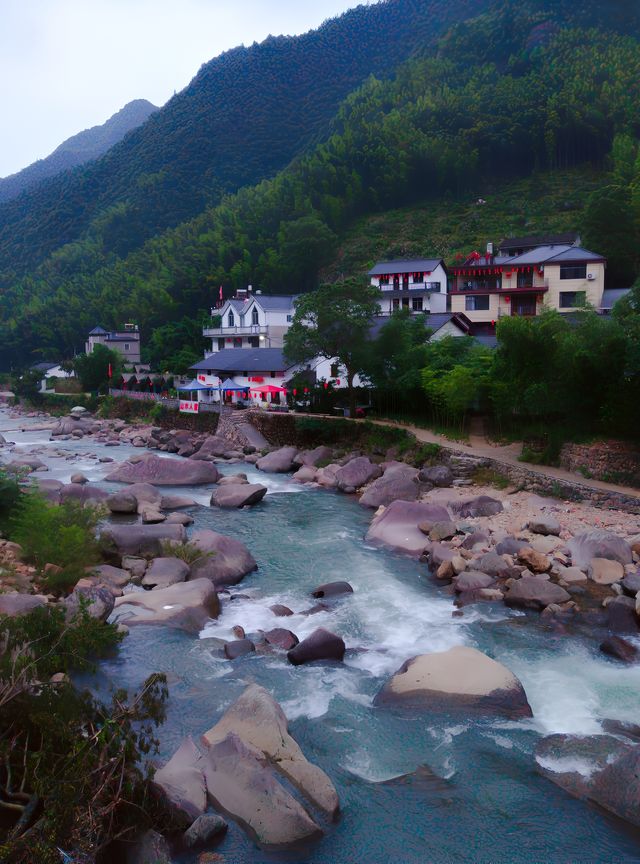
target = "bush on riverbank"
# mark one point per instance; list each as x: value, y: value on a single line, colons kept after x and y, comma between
x: 69, y: 765
x: 9, y: 497
x: 64, y: 535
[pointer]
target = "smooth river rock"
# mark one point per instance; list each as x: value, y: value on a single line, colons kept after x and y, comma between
x: 320, y: 645
x: 400, y: 482
x: 482, y: 505
x: 598, y: 544
x: 462, y: 680
x: 397, y: 525
x: 140, y: 539
x: 181, y: 783
x: 162, y: 471
x: 238, y: 495
x: 532, y: 593
x: 163, y: 572
x: 356, y: 473
x: 13, y: 603
x: 224, y: 561
x: 259, y: 721
x: 185, y: 606
x: 279, y: 462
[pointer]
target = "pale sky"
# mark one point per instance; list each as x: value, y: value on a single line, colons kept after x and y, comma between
x: 66, y: 65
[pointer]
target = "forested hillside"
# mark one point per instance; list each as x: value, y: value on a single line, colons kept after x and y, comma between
x: 79, y: 149
x: 244, y: 116
x: 521, y: 92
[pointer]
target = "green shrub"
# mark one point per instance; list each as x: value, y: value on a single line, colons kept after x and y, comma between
x: 490, y: 477
x: 9, y: 497
x: 187, y: 552
x: 64, y: 535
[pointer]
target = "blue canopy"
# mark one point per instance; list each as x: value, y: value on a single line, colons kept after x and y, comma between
x: 228, y: 386
x: 195, y: 385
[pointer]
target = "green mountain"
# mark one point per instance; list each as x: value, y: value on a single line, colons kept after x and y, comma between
x: 79, y: 149
x: 244, y: 116
x: 520, y: 105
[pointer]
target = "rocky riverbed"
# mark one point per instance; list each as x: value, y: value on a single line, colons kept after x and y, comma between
x: 340, y: 592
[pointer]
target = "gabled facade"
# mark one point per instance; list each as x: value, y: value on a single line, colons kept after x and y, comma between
x: 486, y: 287
x: 251, y: 321
x: 419, y: 285
x: 125, y: 342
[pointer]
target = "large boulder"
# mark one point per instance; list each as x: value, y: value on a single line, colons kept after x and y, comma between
x: 224, y: 561
x: 472, y: 580
x: 397, y: 526
x: 399, y: 482
x: 72, y: 425
x: 460, y: 679
x: 598, y: 768
x: 279, y: 461
x: 213, y: 447
x: 326, y: 477
x: 598, y: 544
x: 163, y: 572
x: 602, y: 571
x: 13, y: 604
x: 260, y: 721
x: 437, y: 475
x: 140, y: 539
x: 320, y: 645
x: 356, y: 473
x: 481, y: 505
x: 180, y: 783
x: 149, y: 848
x: 332, y: 589
x: 545, y: 525
x: 113, y: 578
x: 185, y: 606
x: 243, y: 783
x: 97, y: 600
x: 533, y: 593
x: 311, y: 458
x: 203, y: 831
x: 238, y: 495
x: 85, y: 495
x: 305, y: 474
x: 122, y: 502
x: 163, y: 471
x: 491, y: 564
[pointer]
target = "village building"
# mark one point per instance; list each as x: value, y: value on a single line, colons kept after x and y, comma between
x: 251, y: 320
x: 487, y: 287
x: 251, y: 375
x: 49, y: 371
x: 125, y: 342
x: 419, y: 285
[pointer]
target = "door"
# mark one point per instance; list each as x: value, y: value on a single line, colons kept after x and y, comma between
x: 523, y: 305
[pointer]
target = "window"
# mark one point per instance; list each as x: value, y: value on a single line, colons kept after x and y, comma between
x: 242, y: 320
x: 405, y: 302
x: 396, y: 304
x: 254, y: 341
x: 479, y: 303
x: 232, y: 319
x: 335, y: 370
x: 237, y: 341
x: 289, y: 319
x: 571, y: 299
x: 417, y: 304
x: 220, y: 344
x: 573, y: 271
x: 418, y: 277
x: 273, y: 374
x: 254, y: 318
x: 384, y: 280
x: 126, y: 346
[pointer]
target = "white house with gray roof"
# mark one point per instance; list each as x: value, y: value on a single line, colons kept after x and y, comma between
x: 418, y: 284
x: 251, y: 320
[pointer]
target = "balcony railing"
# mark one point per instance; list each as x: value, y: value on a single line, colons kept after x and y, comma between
x: 412, y: 286
x: 244, y: 330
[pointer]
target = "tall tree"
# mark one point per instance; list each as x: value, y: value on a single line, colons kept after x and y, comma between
x: 334, y: 322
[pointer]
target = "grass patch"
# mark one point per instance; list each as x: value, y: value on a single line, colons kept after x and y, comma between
x: 490, y: 477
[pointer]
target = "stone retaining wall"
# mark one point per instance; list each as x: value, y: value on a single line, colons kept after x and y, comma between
x: 611, y: 461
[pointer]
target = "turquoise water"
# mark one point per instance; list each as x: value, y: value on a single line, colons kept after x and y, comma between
x: 413, y: 789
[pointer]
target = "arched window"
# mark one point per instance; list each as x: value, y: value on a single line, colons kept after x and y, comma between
x: 232, y: 319
x: 254, y: 318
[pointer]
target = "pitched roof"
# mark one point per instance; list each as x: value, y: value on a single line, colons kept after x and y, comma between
x: 433, y: 321
x: 569, y: 238
x: 244, y: 359
x: 610, y: 297
x: 275, y: 302
x: 413, y: 265
x: 555, y: 255
x: 98, y: 331
x: 44, y: 366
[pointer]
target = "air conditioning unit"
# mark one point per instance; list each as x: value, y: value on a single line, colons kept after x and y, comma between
x: 591, y: 277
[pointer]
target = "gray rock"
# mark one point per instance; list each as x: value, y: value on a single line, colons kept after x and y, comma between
x: 621, y: 615
x: 281, y: 611
x: 85, y: 495
x: 605, y: 572
x: 305, y: 474
x: 472, y: 580
x: 437, y: 475
x: 491, y: 564
x: 204, y: 830
x: 320, y: 645
x: 511, y: 546
x: 163, y: 572
x: 225, y: 561
x: 397, y: 483
x: 280, y: 461
x: 113, y: 578
x: 460, y: 679
x: 122, y: 502
x: 477, y: 538
x: 397, y: 526
x: 620, y: 649
x: 238, y: 495
x: 79, y: 477
x: 281, y: 638
x: 136, y: 566
x: 545, y: 525
x: 233, y: 480
x: 164, y: 472
x: 149, y: 848
x: 481, y: 505
x: 180, y: 519
x: 13, y: 604
x: 140, y: 540
x: 181, y: 784
x: 631, y: 584
x: 356, y: 473
x: 238, y: 648
x: 98, y: 601
x: 185, y: 606
x: 311, y: 458
x: 583, y: 548
x: 176, y: 502
x: 332, y: 589
x: 532, y: 593
x: 211, y: 448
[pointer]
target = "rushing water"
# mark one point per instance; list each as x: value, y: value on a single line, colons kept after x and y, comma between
x: 413, y: 789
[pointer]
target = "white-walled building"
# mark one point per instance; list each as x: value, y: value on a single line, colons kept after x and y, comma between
x: 251, y: 320
x: 125, y: 342
x: 419, y: 285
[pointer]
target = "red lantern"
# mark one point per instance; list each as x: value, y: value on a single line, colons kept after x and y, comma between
x: 337, y: 382
x: 326, y: 385
x: 306, y: 389
x: 295, y: 392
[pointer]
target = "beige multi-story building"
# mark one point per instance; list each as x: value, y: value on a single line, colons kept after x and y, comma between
x: 251, y: 320
x: 125, y: 342
x: 488, y: 287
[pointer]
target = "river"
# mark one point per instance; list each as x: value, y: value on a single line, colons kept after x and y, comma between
x: 413, y: 789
